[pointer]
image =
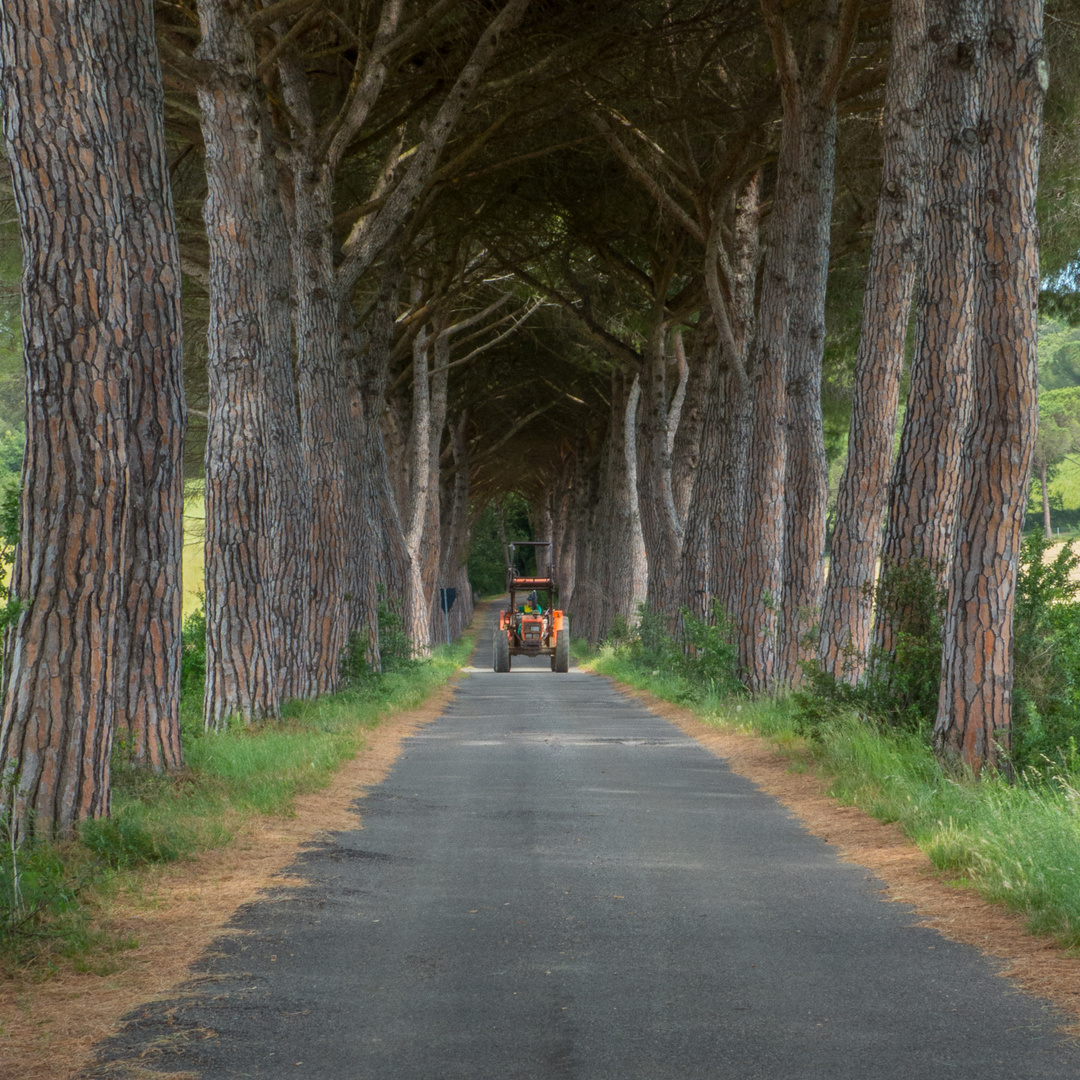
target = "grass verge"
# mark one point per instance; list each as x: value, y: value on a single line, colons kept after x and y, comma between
x: 1016, y: 844
x: 229, y: 777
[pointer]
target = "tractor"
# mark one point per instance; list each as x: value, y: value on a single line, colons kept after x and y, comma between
x: 531, y: 626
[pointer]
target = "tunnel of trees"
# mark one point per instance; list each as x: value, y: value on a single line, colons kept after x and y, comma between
x: 709, y: 290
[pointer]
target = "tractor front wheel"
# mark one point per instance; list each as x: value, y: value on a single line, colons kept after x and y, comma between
x: 562, y: 648
x: 501, y: 649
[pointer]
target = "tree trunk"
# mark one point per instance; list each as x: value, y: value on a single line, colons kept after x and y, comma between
x: 712, y: 557
x: 686, y: 444
x: 243, y: 503
x: 147, y: 655
x: 975, y: 706
x: 391, y: 569
x: 639, y: 561
x: 660, y: 526
x: 763, y: 539
x: 1047, y: 528
x: 417, y: 614
x: 328, y: 397
x: 806, y: 484
x: 927, y: 474
x: 454, y: 570
x: 847, y: 611
x: 431, y: 542
x: 290, y: 533
x: 83, y: 227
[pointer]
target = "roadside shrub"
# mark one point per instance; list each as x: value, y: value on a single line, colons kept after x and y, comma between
x: 900, y: 687
x: 192, y: 673
x: 395, y: 650
x: 1046, y: 652
x: 704, y: 658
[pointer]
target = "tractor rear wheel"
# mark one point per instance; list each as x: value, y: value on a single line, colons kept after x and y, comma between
x: 501, y: 648
x: 562, y: 647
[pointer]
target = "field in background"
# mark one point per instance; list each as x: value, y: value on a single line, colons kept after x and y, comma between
x: 194, y: 534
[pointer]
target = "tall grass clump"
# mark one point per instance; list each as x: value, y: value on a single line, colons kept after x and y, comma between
x: 1017, y: 841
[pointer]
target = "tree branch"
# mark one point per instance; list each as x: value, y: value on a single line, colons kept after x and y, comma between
x: 787, y: 67
x: 647, y: 180
x: 365, y: 88
x: 847, y: 24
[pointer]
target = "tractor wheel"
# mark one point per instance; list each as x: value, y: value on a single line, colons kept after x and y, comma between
x: 562, y: 648
x: 501, y: 649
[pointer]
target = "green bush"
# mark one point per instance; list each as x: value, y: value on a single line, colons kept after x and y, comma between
x: 1046, y: 654
x: 702, y: 661
x: 123, y: 842
x: 487, y: 558
x: 396, y: 652
x: 36, y: 887
x: 192, y: 673
x: 899, y: 687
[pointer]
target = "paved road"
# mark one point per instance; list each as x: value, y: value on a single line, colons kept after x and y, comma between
x: 553, y: 882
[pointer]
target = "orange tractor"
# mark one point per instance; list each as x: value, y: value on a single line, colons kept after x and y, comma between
x: 531, y: 626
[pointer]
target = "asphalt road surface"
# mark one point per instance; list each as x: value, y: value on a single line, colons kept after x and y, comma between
x: 554, y: 882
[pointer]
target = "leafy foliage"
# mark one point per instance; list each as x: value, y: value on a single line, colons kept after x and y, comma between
x: 900, y: 687
x: 1046, y: 650
x: 192, y: 673
x: 502, y: 519
x: 703, y: 662
x: 900, y: 690
x: 395, y: 650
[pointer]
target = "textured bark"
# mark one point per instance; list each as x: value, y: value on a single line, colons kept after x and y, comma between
x: 604, y: 561
x: 763, y: 545
x: 431, y: 544
x: 927, y: 474
x: 290, y: 534
x: 147, y: 654
x: 712, y: 556
x: 806, y: 484
x: 847, y: 610
x: 417, y: 608
x: 328, y: 400
x: 84, y: 230
x: 975, y: 705
x: 639, y: 561
x: 243, y: 504
x: 391, y: 570
x: 686, y: 443
x: 785, y: 522
x: 616, y: 559
x: 453, y: 569
x: 660, y: 526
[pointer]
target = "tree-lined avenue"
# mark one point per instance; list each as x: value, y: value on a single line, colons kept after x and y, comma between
x: 555, y: 882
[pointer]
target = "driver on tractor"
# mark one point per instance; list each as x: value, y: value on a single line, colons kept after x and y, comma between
x: 531, y: 605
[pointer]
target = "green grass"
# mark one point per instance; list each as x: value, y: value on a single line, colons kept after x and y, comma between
x: 1017, y: 844
x: 229, y: 778
x: 262, y: 768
